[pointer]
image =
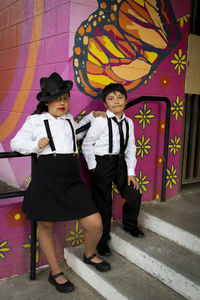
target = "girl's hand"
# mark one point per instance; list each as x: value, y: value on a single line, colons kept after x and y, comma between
x: 99, y: 113
x: 43, y: 142
x: 132, y: 179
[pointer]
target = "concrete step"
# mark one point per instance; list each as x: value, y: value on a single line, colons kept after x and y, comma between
x: 169, y: 262
x: 177, y: 219
x: 124, y: 281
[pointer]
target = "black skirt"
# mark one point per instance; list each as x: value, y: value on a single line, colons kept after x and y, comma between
x: 57, y: 192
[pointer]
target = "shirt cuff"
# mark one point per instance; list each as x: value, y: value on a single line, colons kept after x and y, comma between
x: 36, y: 149
x: 131, y: 172
x: 92, y: 164
x: 90, y: 116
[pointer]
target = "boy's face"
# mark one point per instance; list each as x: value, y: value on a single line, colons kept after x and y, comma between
x: 116, y: 102
x: 59, y: 106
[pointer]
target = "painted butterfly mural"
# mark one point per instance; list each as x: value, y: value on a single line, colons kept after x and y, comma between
x: 123, y: 42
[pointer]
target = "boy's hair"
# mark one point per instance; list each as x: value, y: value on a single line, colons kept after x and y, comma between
x: 112, y: 88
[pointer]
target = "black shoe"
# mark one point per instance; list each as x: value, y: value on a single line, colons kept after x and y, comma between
x: 136, y: 232
x: 104, y: 250
x: 61, y: 287
x: 103, y: 266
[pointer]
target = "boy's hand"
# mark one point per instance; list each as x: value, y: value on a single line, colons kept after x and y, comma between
x: 43, y: 142
x: 99, y: 113
x: 132, y: 179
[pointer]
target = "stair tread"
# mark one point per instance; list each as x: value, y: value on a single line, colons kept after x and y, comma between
x: 162, y: 249
x: 182, y: 211
x: 129, y: 280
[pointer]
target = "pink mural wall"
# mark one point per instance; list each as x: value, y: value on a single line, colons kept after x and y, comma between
x: 141, y: 44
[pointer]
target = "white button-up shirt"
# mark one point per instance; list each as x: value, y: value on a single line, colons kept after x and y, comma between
x: 27, y: 138
x: 96, y: 141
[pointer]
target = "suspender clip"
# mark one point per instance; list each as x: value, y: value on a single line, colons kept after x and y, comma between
x: 54, y: 153
x: 74, y: 153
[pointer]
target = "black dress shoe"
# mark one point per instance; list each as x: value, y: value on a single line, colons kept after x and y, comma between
x: 61, y: 287
x: 104, y: 250
x: 103, y: 266
x: 136, y: 232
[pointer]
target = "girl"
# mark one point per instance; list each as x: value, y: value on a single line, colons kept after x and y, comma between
x: 57, y: 192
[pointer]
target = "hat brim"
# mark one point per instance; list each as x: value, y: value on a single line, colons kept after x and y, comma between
x: 67, y: 86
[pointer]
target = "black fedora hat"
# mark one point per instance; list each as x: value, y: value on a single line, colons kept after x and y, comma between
x: 52, y: 87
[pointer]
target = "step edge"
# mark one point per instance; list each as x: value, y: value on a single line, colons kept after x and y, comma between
x: 82, y: 269
x: 126, y: 249
x: 173, y: 233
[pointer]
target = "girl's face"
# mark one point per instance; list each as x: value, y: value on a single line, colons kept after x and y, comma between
x: 59, y: 106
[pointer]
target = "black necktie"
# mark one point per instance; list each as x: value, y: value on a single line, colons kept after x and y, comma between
x: 121, y: 151
x: 121, y: 169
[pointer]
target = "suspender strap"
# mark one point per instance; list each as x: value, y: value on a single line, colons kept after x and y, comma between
x: 73, y: 135
x: 127, y: 134
x: 51, y: 143
x: 110, y: 149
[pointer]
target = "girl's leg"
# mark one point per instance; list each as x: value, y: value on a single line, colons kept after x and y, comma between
x: 48, y: 246
x: 93, y: 230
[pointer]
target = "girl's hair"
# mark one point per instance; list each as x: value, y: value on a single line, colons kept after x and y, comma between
x: 41, y: 107
x: 112, y: 88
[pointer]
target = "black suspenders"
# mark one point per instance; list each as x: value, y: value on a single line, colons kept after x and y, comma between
x: 73, y: 135
x: 110, y: 133
x: 127, y: 134
x: 51, y: 143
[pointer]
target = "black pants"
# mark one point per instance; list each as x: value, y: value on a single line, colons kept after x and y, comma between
x: 105, y: 173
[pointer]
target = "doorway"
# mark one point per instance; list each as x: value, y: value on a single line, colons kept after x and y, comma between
x: 190, y: 155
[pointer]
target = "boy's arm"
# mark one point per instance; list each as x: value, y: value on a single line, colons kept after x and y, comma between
x: 89, y: 141
x: 130, y: 153
x: 24, y: 141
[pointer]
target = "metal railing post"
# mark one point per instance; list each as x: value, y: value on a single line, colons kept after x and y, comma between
x: 166, y: 139
x: 21, y: 194
x: 165, y: 158
x: 33, y: 250
x: 33, y: 232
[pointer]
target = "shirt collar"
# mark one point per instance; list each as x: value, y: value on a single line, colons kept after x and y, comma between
x: 111, y: 115
x: 64, y: 117
x: 46, y: 115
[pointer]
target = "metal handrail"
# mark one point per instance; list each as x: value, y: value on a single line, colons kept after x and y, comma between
x: 19, y: 194
x: 166, y: 139
x: 85, y: 127
x: 16, y: 193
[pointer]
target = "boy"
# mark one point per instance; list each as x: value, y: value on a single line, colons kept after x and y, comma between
x: 109, y: 149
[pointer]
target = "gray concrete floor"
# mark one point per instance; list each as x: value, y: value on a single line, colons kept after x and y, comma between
x: 6, y: 188
x: 22, y: 288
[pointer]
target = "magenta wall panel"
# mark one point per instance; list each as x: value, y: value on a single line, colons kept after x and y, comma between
x: 93, y: 44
